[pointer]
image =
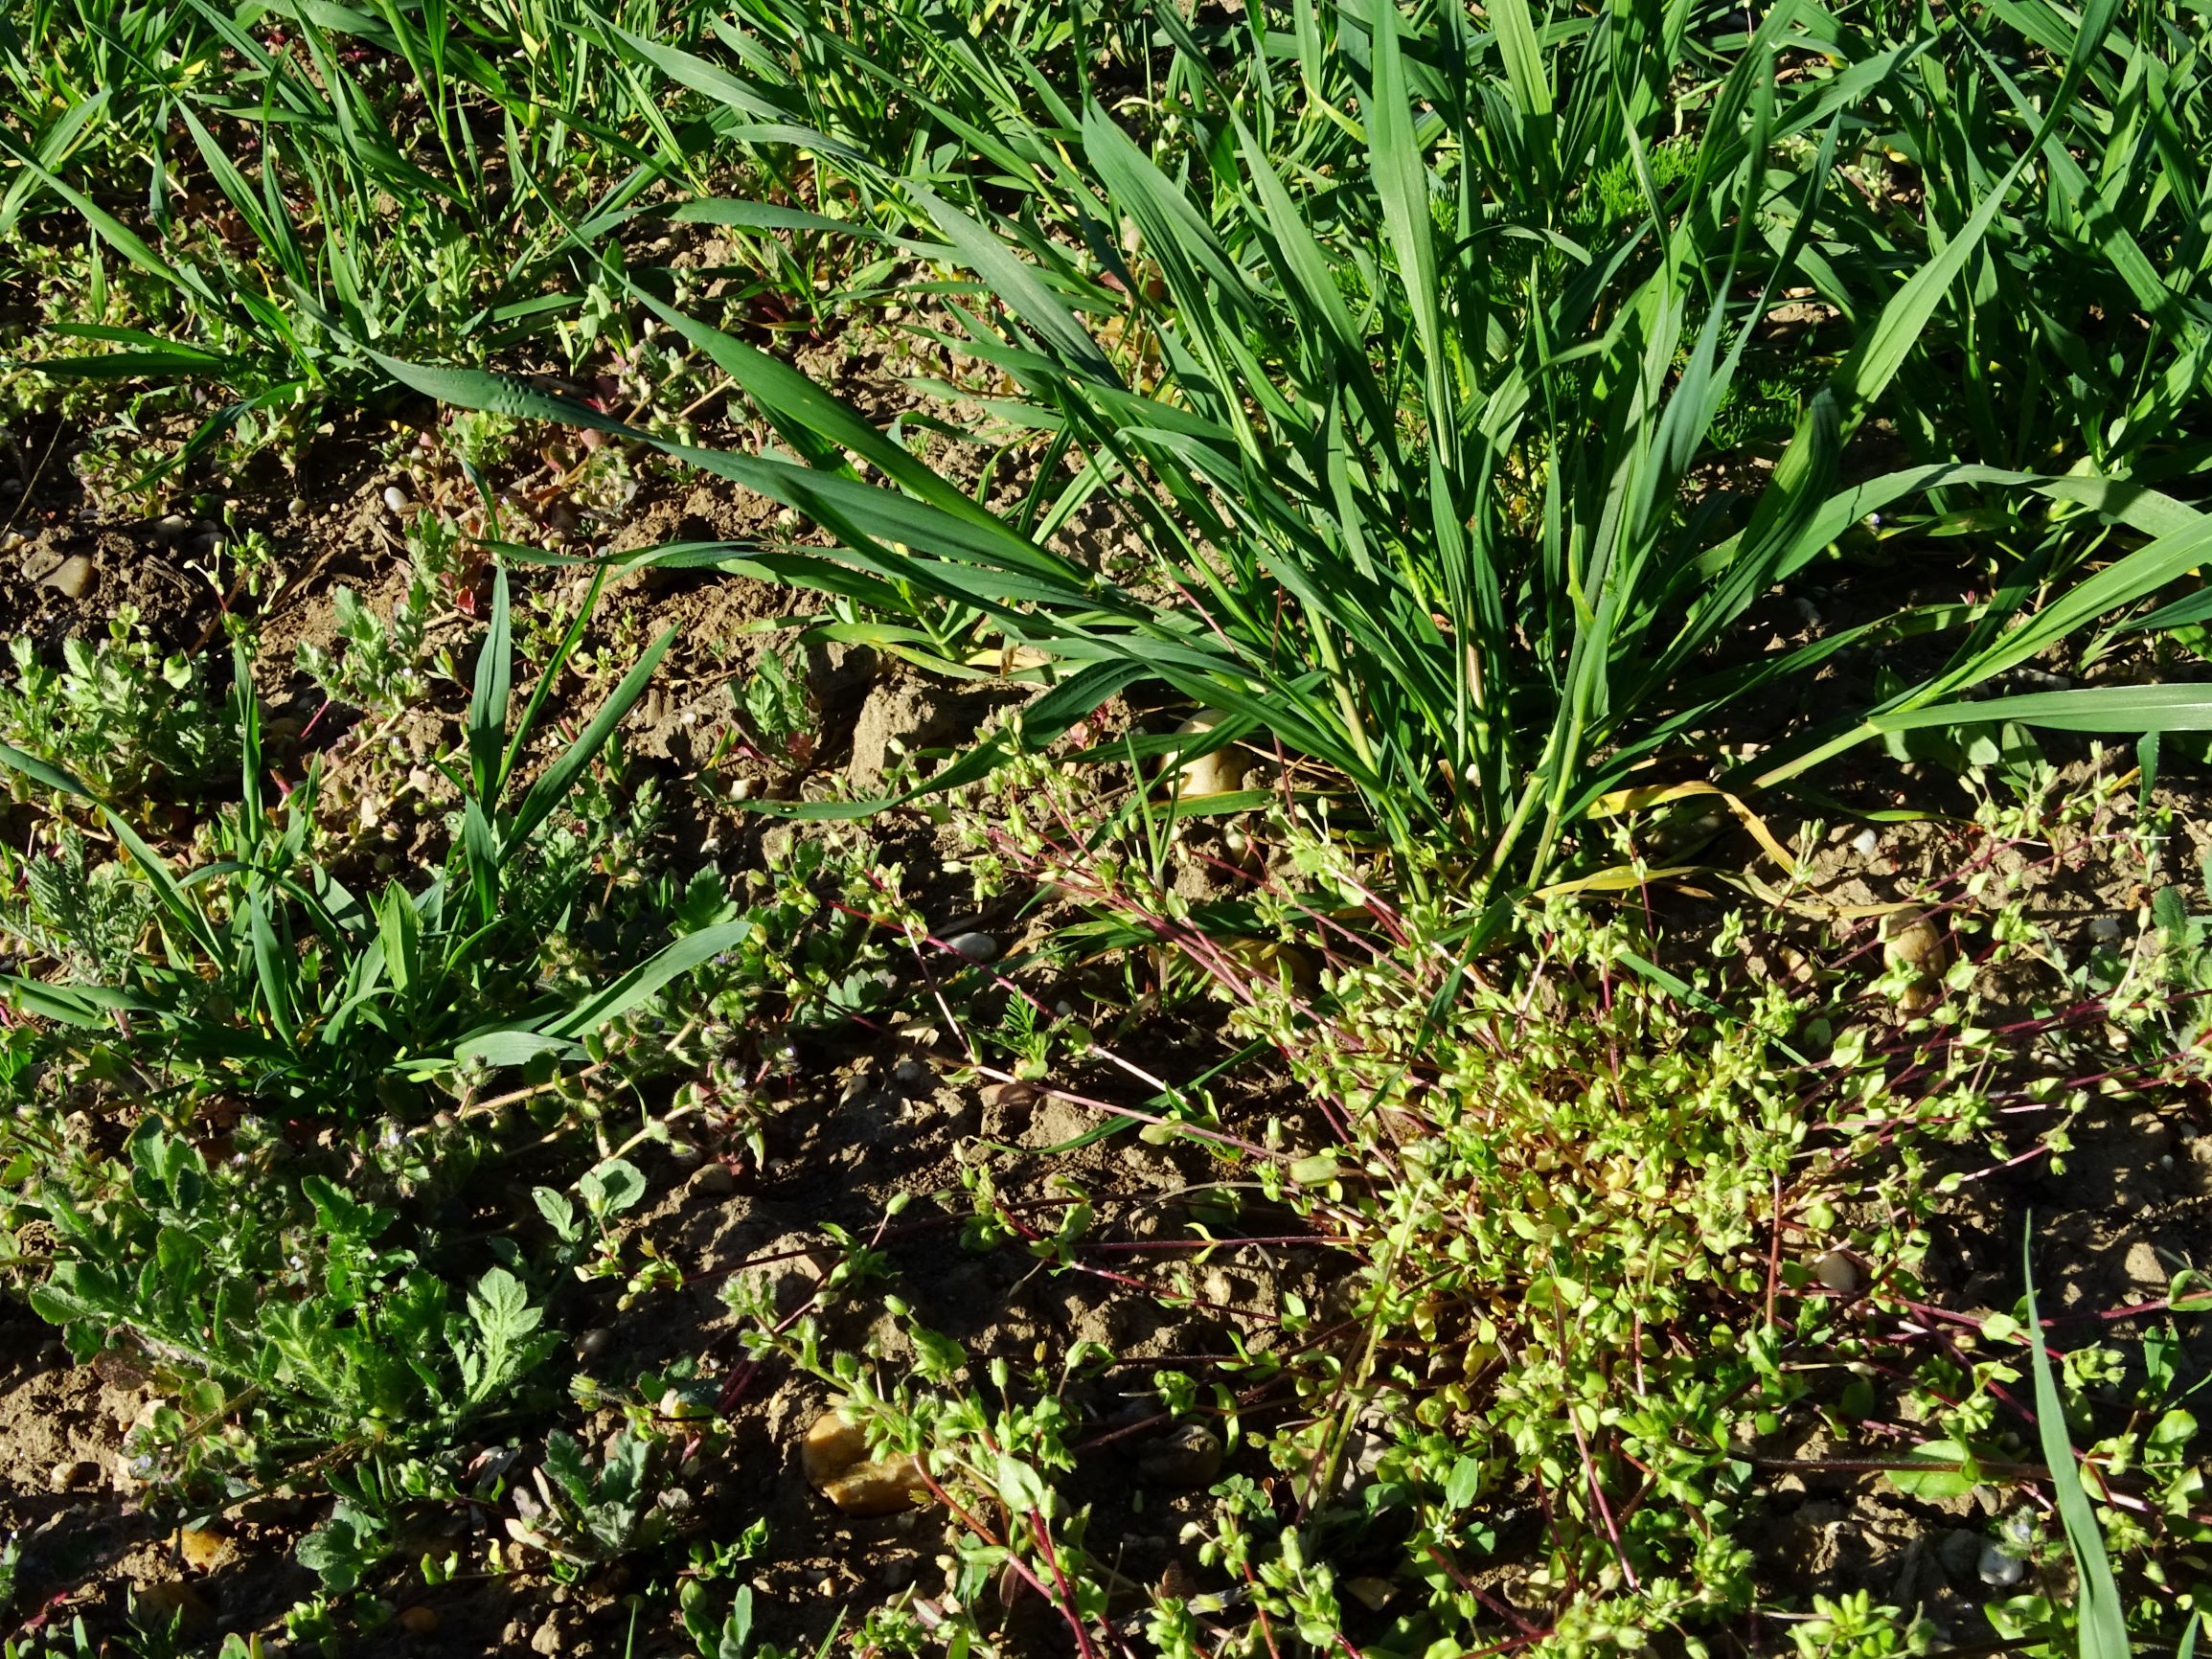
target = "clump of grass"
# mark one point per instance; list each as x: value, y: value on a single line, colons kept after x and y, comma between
x: 1461, y: 543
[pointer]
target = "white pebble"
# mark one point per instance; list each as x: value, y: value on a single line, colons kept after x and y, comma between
x: 975, y: 947
x: 1866, y: 843
x: 1998, y: 1570
x: 394, y: 498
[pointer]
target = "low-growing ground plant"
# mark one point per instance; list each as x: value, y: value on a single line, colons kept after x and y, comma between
x: 1618, y: 1232
x: 232, y: 1163
x: 119, y: 713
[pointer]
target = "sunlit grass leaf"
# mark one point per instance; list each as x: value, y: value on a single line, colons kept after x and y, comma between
x: 2103, y: 1616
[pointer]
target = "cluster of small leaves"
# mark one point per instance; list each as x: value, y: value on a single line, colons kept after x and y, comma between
x: 119, y: 713
x: 382, y: 665
x: 1600, y: 1214
x: 86, y: 917
x: 281, y: 1308
x: 582, y: 1515
x: 995, y: 1440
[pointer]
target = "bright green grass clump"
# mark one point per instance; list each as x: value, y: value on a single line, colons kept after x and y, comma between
x: 1409, y: 401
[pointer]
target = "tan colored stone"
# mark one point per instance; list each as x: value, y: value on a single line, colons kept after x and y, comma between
x: 833, y: 1446
x: 1191, y: 1455
x: 884, y: 1486
x: 1371, y: 1594
x: 1220, y: 773
x: 1840, y: 1272
x: 204, y: 1549
x: 834, y: 1459
x: 72, y: 579
x: 1914, y: 940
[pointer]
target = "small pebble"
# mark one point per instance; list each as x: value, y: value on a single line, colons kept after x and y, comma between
x: 1840, y: 1272
x: 908, y: 1073
x: 835, y: 1460
x: 172, y: 526
x: 1997, y: 1569
x: 203, y: 1548
x: 833, y: 1445
x: 1188, y: 1457
x: 678, y: 1406
x: 1220, y: 773
x: 418, y: 1621
x: 1866, y: 843
x: 2104, y: 928
x: 394, y: 498
x: 1914, y: 940
x: 885, y: 1486
x: 1371, y: 1594
x: 72, y: 579
x: 73, y: 1472
x: 975, y: 947
x: 714, y: 1180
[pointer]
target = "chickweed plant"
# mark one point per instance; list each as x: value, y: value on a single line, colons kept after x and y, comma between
x: 121, y: 715
x: 1615, y: 1241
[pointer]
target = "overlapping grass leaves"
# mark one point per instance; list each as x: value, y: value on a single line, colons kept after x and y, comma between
x: 1417, y: 437
x: 313, y: 999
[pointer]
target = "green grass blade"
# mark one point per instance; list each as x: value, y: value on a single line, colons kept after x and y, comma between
x: 1523, y: 59
x: 487, y: 705
x: 534, y: 709
x: 2175, y: 708
x: 2104, y: 1622
x: 548, y: 791
x: 640, y: 982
